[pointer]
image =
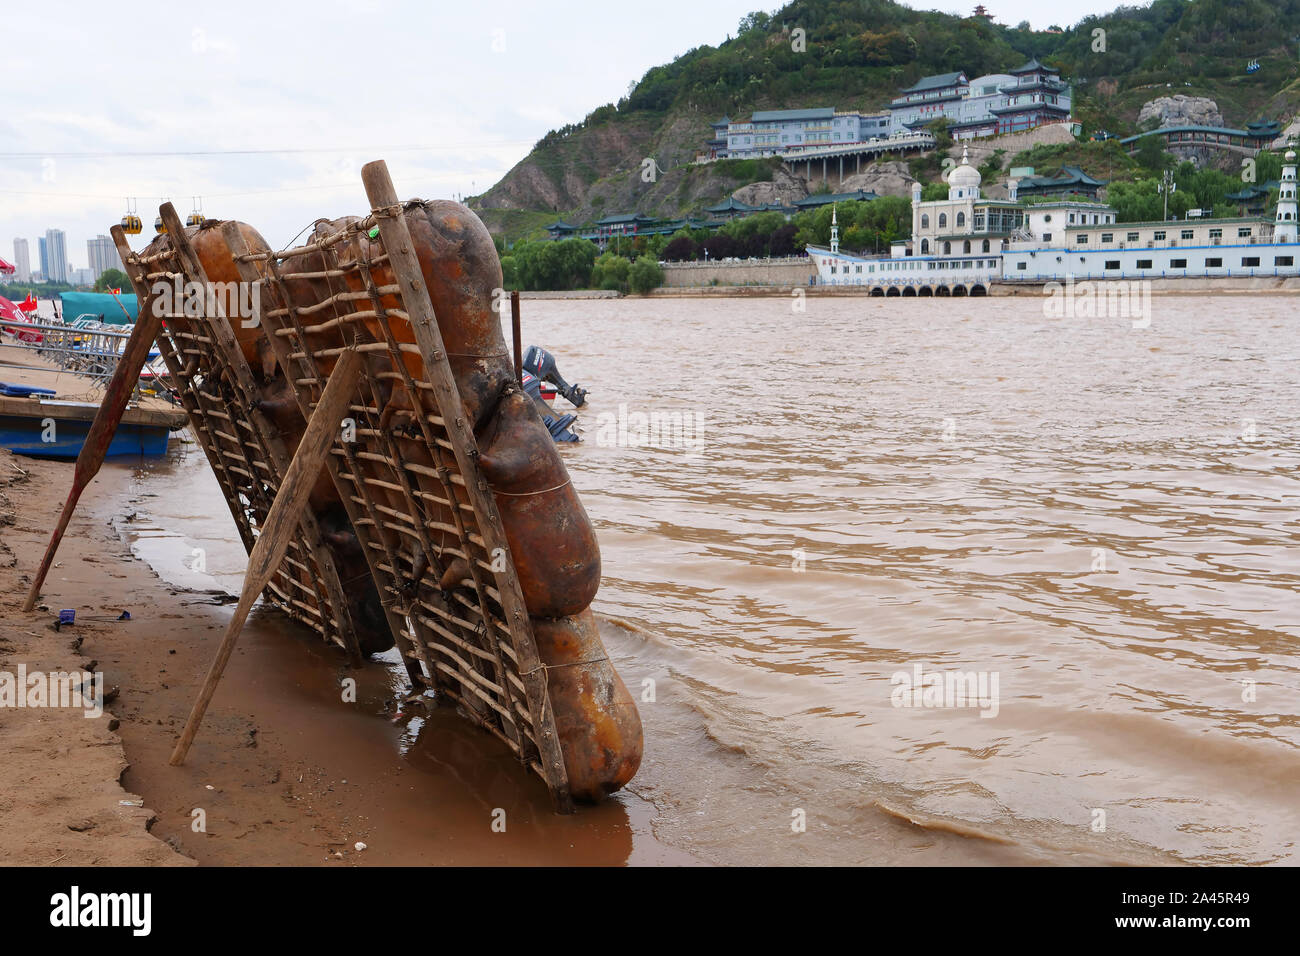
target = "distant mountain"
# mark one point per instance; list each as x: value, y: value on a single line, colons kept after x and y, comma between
x: 857, y: 54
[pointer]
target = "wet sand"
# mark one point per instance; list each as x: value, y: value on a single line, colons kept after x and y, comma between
x: 60, y: 798
x: 284, y: 770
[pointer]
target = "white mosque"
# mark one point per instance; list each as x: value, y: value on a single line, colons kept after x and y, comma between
x: 965, y: 243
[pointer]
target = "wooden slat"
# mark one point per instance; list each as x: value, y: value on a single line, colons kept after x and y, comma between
x: 399, y: 246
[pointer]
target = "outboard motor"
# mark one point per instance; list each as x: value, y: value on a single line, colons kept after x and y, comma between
x: 557, y: 426
x: 541, y: 363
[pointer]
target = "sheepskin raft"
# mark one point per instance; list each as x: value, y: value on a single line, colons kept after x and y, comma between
x: 446, y: 522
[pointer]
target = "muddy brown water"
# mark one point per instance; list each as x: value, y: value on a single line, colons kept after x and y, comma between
x: 1097, y: 521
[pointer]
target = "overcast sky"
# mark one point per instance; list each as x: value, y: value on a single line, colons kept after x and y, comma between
x: 451, y: 94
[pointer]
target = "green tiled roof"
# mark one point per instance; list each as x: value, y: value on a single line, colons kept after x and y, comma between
x: 1222, y: 130
x: 936, y: 82
x: 821, y: 199
x: 624, y: 217
x: 1069, y: 176
x: 1033, y: 66
x: 732, y: 204
x: 768, y: 116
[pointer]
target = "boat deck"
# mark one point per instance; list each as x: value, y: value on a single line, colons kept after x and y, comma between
x: 76, y: 397
x: 57, y: 425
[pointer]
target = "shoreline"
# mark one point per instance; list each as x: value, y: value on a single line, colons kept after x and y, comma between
x: 64, y: 798
x: 272, y: 788
x: 1163, y: 287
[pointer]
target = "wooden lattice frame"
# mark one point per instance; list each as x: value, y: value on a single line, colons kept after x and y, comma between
x: 478, y: 651
x: 247, y: 455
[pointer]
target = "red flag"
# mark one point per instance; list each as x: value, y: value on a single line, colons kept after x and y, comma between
x: 28, y: 304
x: 115, y: 291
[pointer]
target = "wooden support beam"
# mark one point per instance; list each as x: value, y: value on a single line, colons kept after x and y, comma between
x: 279, y: 528
x: 95, y: 447
x: 400, y: 248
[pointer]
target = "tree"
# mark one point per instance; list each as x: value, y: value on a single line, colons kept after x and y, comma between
x: 645, y: 275
x: 939, y: 127
x: 558, y: 266
x: 680, y: 248
x: 112, y: 279
x: 1151, y: 154
x: 509, y: 273
x: 720, y: 246
x: 782, y: 242
x: 932, y: 191
x: 610, y: 272
x: 571, y: 261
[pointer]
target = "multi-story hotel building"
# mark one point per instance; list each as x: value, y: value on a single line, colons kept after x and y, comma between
x: 54, y: 256
x: 1030, y: 95
x: 102, y: 255
x: 770, y: 132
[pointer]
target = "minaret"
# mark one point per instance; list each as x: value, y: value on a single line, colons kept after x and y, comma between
x: 1285, y: 226
x: 835, y: 229
x: 916, y: 210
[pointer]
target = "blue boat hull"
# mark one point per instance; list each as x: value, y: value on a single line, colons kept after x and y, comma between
x: 22, y: 436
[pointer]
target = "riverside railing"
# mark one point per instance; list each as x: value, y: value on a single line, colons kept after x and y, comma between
x: 90, y: 350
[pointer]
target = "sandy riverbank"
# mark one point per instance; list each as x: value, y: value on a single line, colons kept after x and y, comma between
x: 60, y: 797
x: 284, y: 770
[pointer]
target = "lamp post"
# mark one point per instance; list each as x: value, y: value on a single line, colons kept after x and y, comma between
x: 1167, y: 186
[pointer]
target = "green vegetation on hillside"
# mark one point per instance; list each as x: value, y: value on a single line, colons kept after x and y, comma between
x: 1140, y: 200
x: 1106, y: 160
x: 857, y: 54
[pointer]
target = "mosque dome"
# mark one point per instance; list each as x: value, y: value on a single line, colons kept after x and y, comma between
x: 964, y: 176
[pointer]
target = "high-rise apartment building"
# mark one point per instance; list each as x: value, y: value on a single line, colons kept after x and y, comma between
x: 54, y: 256
x: 102, y: 255
x: 22, y: 261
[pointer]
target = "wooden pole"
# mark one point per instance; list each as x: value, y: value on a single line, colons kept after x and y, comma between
x: 396, y: 236
x: 281, y: 522
x: 514, y: 328
x: 93, y: 451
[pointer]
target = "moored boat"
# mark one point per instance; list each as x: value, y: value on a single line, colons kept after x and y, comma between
x: 46, y: 411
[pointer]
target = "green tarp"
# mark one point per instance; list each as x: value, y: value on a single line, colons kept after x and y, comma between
x: 98, y: 305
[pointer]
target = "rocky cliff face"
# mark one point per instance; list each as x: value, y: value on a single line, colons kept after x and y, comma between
x: 560, y: 177
x: 883, y: 179
x: 1180, y: 110
x: 784, y: 189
